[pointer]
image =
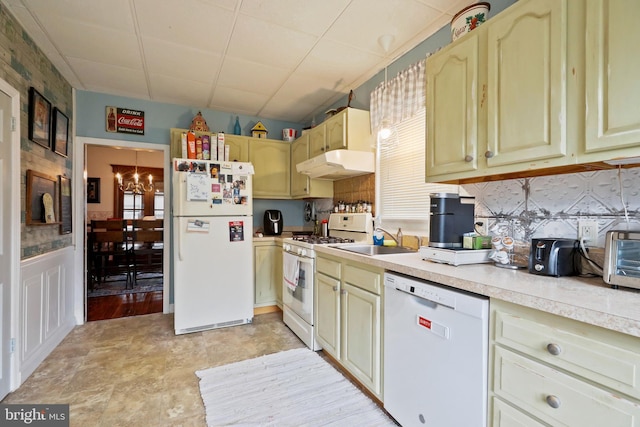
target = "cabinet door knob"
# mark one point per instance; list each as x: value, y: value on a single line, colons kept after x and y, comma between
x: 343, y: 292
x: 468, y: 158
x: 488, y: 154
x: 553, y: 401
x: 554, y: 349
x: 335, y: 289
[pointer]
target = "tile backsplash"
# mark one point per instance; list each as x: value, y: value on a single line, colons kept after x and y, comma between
x: 550, y: 206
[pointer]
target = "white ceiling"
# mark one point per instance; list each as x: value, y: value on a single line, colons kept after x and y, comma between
x: 276, y: 59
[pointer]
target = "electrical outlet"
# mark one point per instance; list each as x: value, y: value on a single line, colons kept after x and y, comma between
x: 588, y: 230
x: 482, y: 229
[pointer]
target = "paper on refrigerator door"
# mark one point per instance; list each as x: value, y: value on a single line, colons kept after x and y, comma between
x: 198, y: 187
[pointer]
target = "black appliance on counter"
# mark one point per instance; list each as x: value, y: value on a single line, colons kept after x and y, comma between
x: 554, y: 257
x: 272, y: 224
x: 451, y: 216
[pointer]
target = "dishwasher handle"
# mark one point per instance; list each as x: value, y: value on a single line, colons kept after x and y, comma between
x: 432, y: 297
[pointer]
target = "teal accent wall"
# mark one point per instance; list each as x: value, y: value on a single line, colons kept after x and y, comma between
x: 160, y: 117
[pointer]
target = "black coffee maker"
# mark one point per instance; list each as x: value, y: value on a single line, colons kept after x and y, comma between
x: 272, y: 224
x: 451, y: 216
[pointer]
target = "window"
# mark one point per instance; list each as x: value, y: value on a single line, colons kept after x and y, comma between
x: 158, y: 204
x: 404, y: 196
x: 132, y: 205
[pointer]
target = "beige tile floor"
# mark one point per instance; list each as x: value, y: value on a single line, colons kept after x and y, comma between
x: 136, y: 372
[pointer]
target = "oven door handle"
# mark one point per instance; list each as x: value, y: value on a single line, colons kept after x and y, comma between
x: 304, y: 260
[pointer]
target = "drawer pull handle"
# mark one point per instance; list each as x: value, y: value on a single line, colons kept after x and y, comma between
x: 554, y: 349
x: 553, y: 401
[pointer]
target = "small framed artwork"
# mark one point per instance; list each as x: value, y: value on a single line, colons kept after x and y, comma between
x: 65, y: 204
x: 93, y: 190
x: 39, y: 118
x: 60, y: 132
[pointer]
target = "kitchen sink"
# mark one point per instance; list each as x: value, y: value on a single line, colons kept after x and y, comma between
x: 375, y: 250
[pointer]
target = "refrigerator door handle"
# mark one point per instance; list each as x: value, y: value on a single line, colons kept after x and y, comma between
x: 179, y: 243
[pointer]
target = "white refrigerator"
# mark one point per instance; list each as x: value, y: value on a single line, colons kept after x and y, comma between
x: 212, y: 216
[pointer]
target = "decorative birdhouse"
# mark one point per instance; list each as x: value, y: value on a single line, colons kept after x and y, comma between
x: 259, y: 131
x: 199, y: 123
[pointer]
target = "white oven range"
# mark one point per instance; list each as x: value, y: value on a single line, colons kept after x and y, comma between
x: 299, y: 256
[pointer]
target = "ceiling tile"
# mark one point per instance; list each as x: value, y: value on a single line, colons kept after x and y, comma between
x: 121, y: 81
x: 98, y: 44
x: 311, y: 17
x: 268, y: 43
x: 179, y: 91
x: 337, y: 62
x: 201, y: 24
x: 251, y: 76
x: 238, y: 101
x: 400, y: 18
x: 115, y: 14
x: 180, y: 61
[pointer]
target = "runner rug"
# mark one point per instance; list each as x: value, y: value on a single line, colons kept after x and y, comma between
x: 290, y: 388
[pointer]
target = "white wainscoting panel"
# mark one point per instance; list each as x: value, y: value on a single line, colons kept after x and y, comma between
x: 46, y: 311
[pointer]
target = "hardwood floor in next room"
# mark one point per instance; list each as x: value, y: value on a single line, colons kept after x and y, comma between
x: 125, y: 305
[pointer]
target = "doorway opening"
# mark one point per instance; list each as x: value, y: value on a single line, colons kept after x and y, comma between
x: 124, y: 251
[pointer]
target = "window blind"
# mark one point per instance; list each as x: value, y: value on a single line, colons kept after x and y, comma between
x: 404, y: 194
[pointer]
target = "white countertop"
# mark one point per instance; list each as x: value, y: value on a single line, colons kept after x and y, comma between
x: 588, y: 300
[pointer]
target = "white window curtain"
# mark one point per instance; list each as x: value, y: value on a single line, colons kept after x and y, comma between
x: 399, y: 98
x: 402, y: 196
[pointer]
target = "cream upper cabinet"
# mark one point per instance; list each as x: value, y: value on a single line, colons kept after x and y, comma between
x: 453, y: 88
x: 611, y: 79
x: 506, y: 106
x: 575, y: 374
x: 238, y: 147
x: 527, y: 88
x: 301, y: 185
x: 271, y: 162
x: 348, y: 129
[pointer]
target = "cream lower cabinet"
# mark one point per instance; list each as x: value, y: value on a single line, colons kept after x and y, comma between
x: 301, y: 185
x: 272, y: 165
x: 348, y: 317
x: 267, y: 273
x: 550, y: 370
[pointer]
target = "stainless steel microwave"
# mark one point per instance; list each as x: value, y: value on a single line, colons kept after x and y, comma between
x: 622, y: 258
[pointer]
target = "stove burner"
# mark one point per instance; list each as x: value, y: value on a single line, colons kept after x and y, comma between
x: 317, y: 240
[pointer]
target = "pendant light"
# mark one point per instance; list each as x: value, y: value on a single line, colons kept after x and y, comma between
x: 387, y: 134
x: 135, y: 186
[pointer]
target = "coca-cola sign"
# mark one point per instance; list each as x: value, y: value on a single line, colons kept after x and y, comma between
x: 125, y: 120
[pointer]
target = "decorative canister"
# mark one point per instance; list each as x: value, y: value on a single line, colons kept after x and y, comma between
x: 288, y: 134
x: 468, y: 19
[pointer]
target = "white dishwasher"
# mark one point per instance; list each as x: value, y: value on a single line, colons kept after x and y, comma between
x: 436, y: 342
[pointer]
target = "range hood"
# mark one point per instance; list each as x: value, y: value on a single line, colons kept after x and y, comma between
x: 338, y: 164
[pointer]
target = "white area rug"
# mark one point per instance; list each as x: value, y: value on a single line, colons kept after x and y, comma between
x: 290, y: 388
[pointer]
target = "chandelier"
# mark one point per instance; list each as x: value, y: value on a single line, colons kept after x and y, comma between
x: 134, y: 186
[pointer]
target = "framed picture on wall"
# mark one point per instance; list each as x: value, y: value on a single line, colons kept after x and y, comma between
x: 39, y: 118
x: 60, y: 132
x: 93, y: 190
